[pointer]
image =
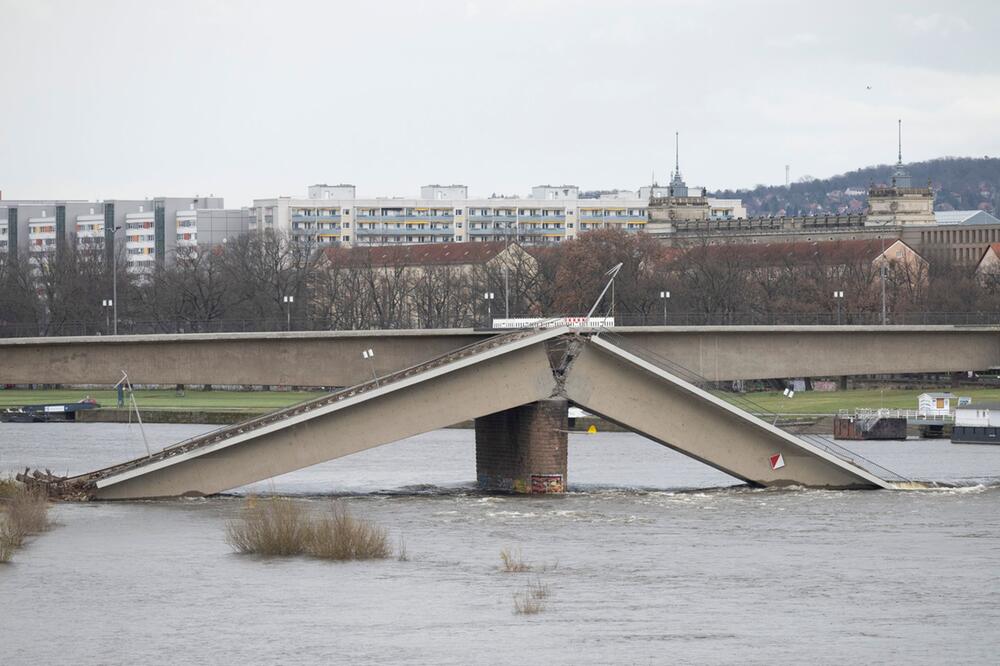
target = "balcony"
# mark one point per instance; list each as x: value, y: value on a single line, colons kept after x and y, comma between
x: 379, y: 231
x: 428, y: 218
x: 492, y: 218
x: 491, y: 231
x: 619, y: 219
x: 315, y: 218
x: 541, y: 218
x: 548, y: 228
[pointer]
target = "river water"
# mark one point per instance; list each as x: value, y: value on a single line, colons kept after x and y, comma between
x: 652, y: 558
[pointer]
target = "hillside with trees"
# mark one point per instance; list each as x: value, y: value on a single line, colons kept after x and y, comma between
x: 959, y: 183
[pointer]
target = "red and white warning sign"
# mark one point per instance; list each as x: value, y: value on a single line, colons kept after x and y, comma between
x: 777, y: 462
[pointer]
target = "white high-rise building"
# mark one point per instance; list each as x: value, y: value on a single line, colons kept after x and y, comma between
x: 150, y: 230
x: 333, y: 215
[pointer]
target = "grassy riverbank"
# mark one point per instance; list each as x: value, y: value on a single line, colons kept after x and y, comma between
x: 804, y: 402
x: 167, y: 399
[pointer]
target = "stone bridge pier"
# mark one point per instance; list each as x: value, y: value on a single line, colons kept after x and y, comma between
x: 523, y: 449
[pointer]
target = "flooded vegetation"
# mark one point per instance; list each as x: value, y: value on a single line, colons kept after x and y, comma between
x: 278, y: 526
x: 23, y: 513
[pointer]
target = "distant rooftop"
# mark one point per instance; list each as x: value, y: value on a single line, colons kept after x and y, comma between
x: 964, y: 217
x: 431, y: 254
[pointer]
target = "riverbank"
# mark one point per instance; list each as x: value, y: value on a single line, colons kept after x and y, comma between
x: 807, y: 411
x: 253, y: 402
x: 160, y: 399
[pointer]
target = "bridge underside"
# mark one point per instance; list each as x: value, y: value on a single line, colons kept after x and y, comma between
x: 516, y: 388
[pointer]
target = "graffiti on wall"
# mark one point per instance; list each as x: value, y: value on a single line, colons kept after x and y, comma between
x: 547, y: 483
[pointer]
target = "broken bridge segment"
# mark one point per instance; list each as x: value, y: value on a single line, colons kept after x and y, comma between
x: 516, y: 387
x: 500, y: 373
x: 623, y: 386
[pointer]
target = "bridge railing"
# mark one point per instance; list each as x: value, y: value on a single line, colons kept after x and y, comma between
x: 273, y: 324
x: 748, y: 405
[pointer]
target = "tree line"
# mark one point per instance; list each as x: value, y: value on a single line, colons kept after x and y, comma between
x: 268, y: 281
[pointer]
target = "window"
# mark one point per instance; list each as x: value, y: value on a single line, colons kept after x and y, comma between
x: 458, y: 211
x: 347, y: 239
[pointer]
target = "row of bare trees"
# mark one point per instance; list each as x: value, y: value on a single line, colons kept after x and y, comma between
x: 268, y: 281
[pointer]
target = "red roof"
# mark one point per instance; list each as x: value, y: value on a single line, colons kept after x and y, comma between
x: 992, y: 246
x: 800, y: 252
x: 428, y: 254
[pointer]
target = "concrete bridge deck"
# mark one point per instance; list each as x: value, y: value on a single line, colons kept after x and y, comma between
x: 481, y: 380
x: 333, y: 358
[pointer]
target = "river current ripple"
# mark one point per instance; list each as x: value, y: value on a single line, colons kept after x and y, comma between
x: 652, y: 558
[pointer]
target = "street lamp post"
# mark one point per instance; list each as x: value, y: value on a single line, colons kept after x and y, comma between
x: 882, y: 274
x: 107, y: 304
x: 114, y: 275
x: 506, y: 293
x: 664, y: 296
x: 488, y: 297
x: 369, y: 355
x: 288, y: 300
x: 838, y: 297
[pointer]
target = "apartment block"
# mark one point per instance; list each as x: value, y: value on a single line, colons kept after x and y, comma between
x: 333, y: 215
x: 150, y: 230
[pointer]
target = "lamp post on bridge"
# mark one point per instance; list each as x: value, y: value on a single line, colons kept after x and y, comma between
x: 114, y: 276
x: 488, y: 297
x: 665, y: 296
x: 288, y: 300
x: 107, y: 304
x: 838, y: 297
x: 369, y: 355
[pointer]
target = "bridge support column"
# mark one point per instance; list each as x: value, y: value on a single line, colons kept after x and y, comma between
x: 523, y: 450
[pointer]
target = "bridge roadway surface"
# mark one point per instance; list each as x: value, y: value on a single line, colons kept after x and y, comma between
x: 333, y: 358
x: 606, y: 375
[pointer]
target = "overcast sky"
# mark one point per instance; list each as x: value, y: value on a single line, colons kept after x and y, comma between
x: 256, y: 99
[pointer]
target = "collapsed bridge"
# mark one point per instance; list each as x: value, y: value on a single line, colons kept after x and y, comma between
x: 517, y: 388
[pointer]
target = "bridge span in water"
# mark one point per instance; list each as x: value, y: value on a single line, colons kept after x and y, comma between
x: 517, y: 388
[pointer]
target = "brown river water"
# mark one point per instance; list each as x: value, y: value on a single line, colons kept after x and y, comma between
x: 652, y: 558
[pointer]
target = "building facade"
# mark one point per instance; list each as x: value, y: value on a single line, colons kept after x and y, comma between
x: 151, y: 230
x: 332, y: 215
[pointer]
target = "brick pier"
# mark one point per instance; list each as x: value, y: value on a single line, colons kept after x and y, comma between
x: 523, y: 450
